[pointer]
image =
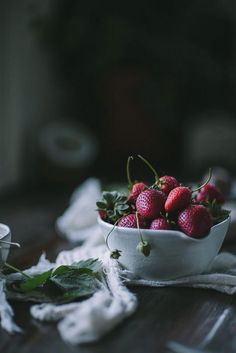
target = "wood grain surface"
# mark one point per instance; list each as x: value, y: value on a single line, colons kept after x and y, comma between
x: 194, y: 317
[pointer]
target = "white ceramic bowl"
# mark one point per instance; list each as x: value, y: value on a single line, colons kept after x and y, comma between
x: 5, y: 235
x: 173, y: 253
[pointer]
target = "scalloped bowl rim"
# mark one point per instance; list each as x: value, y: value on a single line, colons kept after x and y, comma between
x: 162, y: 233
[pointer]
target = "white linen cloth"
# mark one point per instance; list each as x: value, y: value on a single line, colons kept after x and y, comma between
x: 79, y: 222
x: 90, y: 319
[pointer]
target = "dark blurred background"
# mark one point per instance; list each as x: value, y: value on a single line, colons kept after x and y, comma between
x: 84, y: 84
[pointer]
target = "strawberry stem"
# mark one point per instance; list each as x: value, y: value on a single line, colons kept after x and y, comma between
x: 106, y: 241
x: 138, y: 225
x: 130, y: 183
x: 17, y: 270
x: 115, y: 254
x: 143, y: 246
x: 150, y: 167
x: 206, y: 182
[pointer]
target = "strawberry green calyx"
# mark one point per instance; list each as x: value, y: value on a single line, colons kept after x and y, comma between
x: 150, y: 167
x: 143, y: 246
x: 130, y: 183
x: 169, y: 219
x: 115, y: 254
x: 218, y: 213
x: 113, y: 205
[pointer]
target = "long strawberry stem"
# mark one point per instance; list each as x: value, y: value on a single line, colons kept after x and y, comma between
x: 150, y: 167
x: 130, y: 183
x: 107, y: 237
x: 15, y: 269
x: 114, y: 254
x: 143, y: 246
x: 206, y: 182
x: 138, y: 225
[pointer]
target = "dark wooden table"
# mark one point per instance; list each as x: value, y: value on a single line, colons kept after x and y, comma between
x: 184, y: 315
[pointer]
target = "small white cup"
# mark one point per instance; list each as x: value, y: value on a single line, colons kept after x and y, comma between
x: 5, y: 235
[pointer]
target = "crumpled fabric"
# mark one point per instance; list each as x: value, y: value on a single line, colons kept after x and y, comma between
x: 89, y: 320
x: 79, y: 221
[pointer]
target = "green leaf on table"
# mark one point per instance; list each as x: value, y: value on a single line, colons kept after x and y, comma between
x: 93, y: 264
x: 35, y: 281
x: 72, y: 279
x: 59, y: 270
x: 36, y: 296
x: 85, y: 286
x: 65, y: 283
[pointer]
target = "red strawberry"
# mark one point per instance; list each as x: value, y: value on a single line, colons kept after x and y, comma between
x: 195, y: 221
x: 102, y: 214
x: 130, y: 221
x: 150, y: 203
x: 210, y: 192
x: 137, y: 188
x: 167, y: 183
x: 178, y: 198
x: 160, y: 223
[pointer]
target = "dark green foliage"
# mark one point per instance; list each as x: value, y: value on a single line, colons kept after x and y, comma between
x: 114, y: 204
x: 66, y: 283
x: 218, y: 213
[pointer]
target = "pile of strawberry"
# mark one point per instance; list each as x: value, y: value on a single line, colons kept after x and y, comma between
x: 165, y: 205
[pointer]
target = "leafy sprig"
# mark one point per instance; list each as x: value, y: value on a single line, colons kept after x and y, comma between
x: 114, y: 204
x: 64, y: 284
